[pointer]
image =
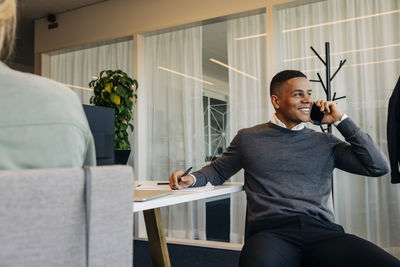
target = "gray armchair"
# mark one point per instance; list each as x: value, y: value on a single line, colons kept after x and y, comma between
x: 67, y: 217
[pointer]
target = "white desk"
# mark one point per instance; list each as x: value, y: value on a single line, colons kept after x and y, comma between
x: 152, y: 215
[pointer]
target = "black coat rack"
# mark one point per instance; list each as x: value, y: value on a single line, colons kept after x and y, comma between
x: 327, y: 85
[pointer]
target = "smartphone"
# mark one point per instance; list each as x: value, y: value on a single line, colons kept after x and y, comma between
x: 316, y: 114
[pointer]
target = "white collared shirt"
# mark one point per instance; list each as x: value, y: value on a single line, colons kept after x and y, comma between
x: 301, y: 125
x: 276, y: 121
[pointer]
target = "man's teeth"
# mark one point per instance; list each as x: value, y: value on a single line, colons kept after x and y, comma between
x: 305, y: 109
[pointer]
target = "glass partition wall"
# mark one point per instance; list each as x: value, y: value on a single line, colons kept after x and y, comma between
x: 76, y: 67
x: 203, y: 83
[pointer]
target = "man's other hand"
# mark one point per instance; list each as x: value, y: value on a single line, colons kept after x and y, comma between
x: 332, y: 112
x: 176, y: 182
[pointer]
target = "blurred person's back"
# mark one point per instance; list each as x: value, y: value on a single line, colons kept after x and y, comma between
x: 42, y: 123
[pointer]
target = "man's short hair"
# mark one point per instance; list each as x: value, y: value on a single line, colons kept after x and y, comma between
x: 282, y: 77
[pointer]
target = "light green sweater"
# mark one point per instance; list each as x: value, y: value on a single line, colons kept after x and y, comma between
x: 42, y: 124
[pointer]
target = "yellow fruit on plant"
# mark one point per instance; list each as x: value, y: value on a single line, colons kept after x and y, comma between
x: 115, y: 99
x: 108, y: 87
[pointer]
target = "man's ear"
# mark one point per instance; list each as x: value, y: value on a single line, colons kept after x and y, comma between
x: 275, y: 101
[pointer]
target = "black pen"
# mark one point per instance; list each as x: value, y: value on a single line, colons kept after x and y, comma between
x: 186, y: 173
x: 179, y: 179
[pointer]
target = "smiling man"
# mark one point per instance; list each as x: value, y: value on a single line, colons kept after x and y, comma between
x: 291, y: 100
x: 288, y: 170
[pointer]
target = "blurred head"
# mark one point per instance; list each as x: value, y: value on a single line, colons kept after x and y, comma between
x: 291, y: 97
x: 7, y: 26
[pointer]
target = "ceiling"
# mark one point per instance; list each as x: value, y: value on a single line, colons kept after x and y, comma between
x: 34, y: 9
x: 214, y: 35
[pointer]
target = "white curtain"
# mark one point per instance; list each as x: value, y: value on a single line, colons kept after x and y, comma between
x: 175, y: 124
x: 248, y: 97
x: 78, y: 66
x: 367, y: 34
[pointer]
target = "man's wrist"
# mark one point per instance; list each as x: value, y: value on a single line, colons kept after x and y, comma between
x: 194, y: 180
x: 344, y: 116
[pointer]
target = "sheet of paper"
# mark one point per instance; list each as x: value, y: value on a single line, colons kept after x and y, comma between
x: 152, y: 187
x: 207, y: 187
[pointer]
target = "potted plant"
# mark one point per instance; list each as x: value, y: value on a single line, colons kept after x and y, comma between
x: 116, y: 90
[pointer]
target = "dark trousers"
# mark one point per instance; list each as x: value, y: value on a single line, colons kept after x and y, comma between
x: 309, y: 242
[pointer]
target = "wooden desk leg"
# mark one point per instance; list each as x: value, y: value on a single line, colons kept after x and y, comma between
x: 156, y: 236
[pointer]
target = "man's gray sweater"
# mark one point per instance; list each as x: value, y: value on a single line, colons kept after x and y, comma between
x: 289, y: 172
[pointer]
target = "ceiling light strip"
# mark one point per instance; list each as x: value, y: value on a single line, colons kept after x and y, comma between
x: 184, y: 75
x: 366, y: 49
x: 250, y: 36
x: 78, y: 87
x: 358, y: 64
x: 341, y: 21
x: 375, y: 62
x: 300, y: 58
x: 234, y: 69
x: 344, y: 52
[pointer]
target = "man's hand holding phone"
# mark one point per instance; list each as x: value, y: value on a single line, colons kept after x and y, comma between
x: 331, y: 112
